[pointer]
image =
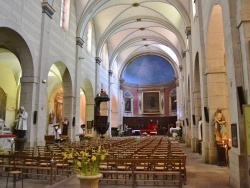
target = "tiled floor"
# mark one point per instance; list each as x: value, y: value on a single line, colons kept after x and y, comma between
x: 199, y: 175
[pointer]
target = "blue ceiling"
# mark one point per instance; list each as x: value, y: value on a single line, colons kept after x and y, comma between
x: 148, y: 69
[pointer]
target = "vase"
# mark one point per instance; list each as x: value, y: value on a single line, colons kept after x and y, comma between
x: 89, y: 181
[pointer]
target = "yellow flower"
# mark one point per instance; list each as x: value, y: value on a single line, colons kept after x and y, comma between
x: 93, y: 158
x: 85, y: 163
x: 70, y: 156
x: 99, y: 149
x: 79, y: 164
x: 102, y: 157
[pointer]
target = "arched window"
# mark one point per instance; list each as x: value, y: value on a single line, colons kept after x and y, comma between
x: 89, y: 37
x: 64, y: 18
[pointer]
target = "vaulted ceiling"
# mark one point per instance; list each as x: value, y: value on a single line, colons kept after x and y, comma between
x: 134, y: 27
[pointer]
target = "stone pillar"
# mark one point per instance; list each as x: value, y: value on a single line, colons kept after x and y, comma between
x: 28, y: 99
x: 80, y: 63
x: 97, y: 75
x: 190, y: 89
x: 42, y: 122
x: 185, y: 113
x: 109, y: 103
x: 239, y: 161
x: 97, y: 82
x: 197, y: 114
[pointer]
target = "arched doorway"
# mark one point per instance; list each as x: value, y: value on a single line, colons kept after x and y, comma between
x: 11, y: 72
x: 60, y: 102
x: 86, y: 108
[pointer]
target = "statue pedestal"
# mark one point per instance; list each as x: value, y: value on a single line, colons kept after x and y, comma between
x: 222, y: 154
x: 19, y: 144
x: 20, y: 140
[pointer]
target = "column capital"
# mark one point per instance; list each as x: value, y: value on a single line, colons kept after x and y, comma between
x: 29, y: 79
x: 176, y: 78
x: 188, y: 31
x: 47, y: 9
x: 79, y: 41
x: 183, y: 54
x: 180, y: 67
x: 110, y: 72
x: 98, y: 60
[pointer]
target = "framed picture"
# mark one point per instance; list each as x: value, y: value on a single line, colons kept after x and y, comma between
x: 246, y: 115
x: 89, y: 124
x: 234, y: 135
x: 127, y: 104
x: 151, y: 102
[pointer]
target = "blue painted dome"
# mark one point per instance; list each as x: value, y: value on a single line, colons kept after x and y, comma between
x: 148, y: 69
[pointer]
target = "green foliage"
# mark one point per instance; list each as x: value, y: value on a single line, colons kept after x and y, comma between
x: 86, y: 162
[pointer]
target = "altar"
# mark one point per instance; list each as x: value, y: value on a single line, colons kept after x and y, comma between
x: 7, y: 140
x: 151, y: 129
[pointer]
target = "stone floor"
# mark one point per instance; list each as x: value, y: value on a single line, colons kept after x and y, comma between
x: 199, y: 175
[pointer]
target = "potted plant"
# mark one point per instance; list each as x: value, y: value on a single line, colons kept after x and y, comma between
x: 86, y: 165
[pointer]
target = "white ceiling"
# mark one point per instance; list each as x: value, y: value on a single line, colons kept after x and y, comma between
x: 130, y: 28
x: 133, y: 27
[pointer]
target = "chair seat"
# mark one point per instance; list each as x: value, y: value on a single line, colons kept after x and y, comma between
x: 15, y: 172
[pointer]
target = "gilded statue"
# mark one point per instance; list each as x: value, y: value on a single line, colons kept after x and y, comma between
x: 220, y: 124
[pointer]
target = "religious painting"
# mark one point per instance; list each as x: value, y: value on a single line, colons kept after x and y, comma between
x: 151, y: 102
x: 89, y: 125
x: 58, y: 106
x: 3, y: 102
x: 246, y: 115
x: 173, y: 101
x: 234, y: 135
x: 127, y: 104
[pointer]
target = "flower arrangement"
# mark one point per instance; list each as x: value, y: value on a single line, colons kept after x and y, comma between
x: 1, y: 151
x: 86, y: 163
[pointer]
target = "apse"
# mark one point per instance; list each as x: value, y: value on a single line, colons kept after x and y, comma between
x: 148, y: 69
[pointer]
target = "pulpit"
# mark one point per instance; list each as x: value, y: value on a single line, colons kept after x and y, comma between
x: 101, y: 124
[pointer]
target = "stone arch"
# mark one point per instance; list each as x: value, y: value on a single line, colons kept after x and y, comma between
x: 16, y: 44
x: 60, y: 94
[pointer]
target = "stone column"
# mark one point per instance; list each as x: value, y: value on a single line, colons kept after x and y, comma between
x: 97, y: 75
x: 239, y: 161
x: 185, y: 114
x: 27, y: 99
x: 75, y: 129
x: 191, y: 85
x: 97, y: 82
x: 42, y: 121
x: 109, y: 103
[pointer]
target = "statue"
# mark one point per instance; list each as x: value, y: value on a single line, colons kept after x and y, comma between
x: 65, y: 126
x: 21, y: 126
x: 220, y: 126
x: 51, y: 118
x: 21, y: 129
